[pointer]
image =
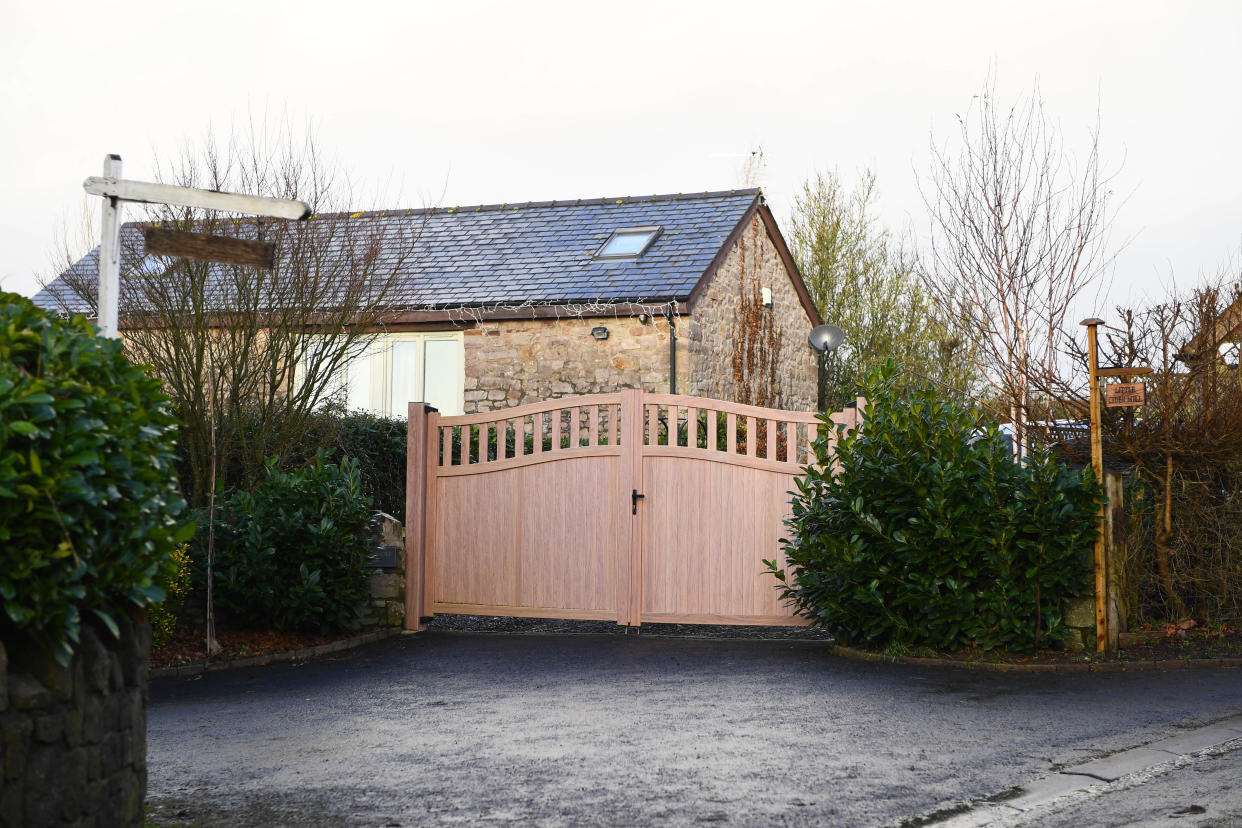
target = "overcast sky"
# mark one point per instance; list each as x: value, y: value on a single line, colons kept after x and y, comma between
x: 464, y: 103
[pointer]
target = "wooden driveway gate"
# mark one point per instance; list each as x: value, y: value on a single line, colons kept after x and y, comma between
x: 627, y: 507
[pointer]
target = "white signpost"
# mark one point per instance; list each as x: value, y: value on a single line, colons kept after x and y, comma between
x: 115, y: 191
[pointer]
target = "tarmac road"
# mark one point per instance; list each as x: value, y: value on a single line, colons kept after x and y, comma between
x: 444, y: 728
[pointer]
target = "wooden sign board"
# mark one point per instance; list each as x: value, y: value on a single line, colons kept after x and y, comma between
x: 210, y: 248
x: 1122, y: 394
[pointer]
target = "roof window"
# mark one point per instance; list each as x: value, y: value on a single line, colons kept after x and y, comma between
x: 628, y: 243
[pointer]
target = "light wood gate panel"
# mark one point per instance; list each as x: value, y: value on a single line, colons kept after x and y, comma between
x: 630, y: 507
x: 716, y: 480
x: 521, y: 513
x: 707, y: 526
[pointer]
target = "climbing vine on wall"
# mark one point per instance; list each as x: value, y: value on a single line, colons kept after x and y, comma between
x: 757, y: 339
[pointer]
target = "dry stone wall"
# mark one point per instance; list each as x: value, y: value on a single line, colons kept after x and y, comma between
x: 713, y: 319
x: 73, y: 740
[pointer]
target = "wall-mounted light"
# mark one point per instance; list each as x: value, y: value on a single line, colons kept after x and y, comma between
x: 599, y: 333
x: 765, y: 295
x: 644, y: 318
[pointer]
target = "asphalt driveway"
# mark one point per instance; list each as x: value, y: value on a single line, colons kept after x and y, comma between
x: 456, y: 727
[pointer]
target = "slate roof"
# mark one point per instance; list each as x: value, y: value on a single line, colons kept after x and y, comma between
x: 538, y: 253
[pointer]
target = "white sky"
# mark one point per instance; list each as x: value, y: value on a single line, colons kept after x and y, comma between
x: 462, y: 103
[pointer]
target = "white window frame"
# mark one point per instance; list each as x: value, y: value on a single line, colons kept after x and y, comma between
x: 422, y: 337
x: 379, y: 359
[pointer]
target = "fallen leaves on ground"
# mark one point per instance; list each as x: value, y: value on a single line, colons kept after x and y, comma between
x: 188, y: 646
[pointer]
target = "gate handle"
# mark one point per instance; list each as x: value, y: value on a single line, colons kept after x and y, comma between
x: 634, y: 498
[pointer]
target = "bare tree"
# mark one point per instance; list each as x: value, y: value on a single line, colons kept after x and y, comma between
x: 248, y: 354
x: 1017, y: 234
x: 1187, y: 447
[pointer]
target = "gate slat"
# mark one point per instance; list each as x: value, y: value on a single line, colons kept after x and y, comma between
x: 692, y: 428
x: 751, y: 436
x: 593, y: 425
x: 556, y: 429
x: 771, y: 447
x: 731, y: 433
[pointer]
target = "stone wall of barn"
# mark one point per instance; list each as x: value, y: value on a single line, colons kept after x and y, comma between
x: 523, y: 361
x: 713, y: 330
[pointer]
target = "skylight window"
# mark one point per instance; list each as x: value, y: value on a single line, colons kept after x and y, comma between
x: 628, y: 243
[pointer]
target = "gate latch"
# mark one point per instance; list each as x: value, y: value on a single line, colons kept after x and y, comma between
x: 634, y: 498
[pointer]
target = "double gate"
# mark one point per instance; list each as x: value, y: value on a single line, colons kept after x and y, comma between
x: 627, y: 507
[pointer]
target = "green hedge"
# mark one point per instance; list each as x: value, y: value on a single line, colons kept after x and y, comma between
x: 378, y: 445
x: 292, y: 554
x: 931, y: 535
x: 89, y: 506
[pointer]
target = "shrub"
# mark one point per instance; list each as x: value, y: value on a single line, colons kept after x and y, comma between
x: 89, y: 507
x: 930, y: 535
x: 176, y: 583
x: 378, y: 445
x: 291, y: 555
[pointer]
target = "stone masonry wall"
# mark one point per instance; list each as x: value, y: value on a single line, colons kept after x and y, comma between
x: 386, y: 585
x: 74, y: 739
x: 712, y: 323
x: 515, y: 362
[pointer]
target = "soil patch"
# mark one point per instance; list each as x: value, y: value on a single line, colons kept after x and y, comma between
x: 187, y: 646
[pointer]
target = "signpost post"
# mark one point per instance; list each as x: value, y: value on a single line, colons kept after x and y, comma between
x: 1104, y: 639
x: 117, y: 191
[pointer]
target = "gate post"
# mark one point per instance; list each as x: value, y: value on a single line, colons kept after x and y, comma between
x: 629, y: 540
x: 416, y: 469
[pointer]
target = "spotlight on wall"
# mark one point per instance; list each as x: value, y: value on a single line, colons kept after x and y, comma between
x: 599, y: 333
x: 765, y: 294
x: 644, y: 318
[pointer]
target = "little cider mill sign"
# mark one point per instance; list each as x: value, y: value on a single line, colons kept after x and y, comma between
x: 1122, y: 394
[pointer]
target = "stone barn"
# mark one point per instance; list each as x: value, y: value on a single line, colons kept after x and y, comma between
x: 506, y: 304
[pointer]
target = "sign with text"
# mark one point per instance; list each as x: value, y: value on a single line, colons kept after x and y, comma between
x: 1121, y: 394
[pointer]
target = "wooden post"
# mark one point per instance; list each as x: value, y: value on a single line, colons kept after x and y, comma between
x: 1115, y: 531
x: 416, y: 467
x: 1097, y: 466
x: 110, y: 255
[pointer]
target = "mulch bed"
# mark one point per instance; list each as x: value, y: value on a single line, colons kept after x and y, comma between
x: 187, y: 646
x: 1187, y: 641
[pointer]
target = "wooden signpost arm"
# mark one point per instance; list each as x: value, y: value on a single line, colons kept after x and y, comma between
x: 115, y: 191
x: 147, y: 192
